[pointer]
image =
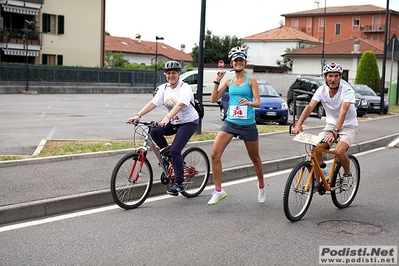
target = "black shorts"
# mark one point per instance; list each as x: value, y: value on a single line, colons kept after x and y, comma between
x: 244, y: 132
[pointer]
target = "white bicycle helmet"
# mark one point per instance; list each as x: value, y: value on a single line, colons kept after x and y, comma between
x: 172, y: 65
x: 332, y: 67
x: 237, y: 52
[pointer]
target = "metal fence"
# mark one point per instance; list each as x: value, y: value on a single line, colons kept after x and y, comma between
x: 77, y: 76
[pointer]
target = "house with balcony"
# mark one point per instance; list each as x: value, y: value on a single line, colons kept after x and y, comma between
x: 48, y: 32
x: 343, y: 22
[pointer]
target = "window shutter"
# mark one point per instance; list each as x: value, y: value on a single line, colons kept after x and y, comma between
x: 45, y: 23
x: 61, y: 24
x: 44, y: 59
x: 59, y: 60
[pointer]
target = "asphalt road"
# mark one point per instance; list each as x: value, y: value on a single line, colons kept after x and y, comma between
x: 28, y: 119
x: 238, y: 231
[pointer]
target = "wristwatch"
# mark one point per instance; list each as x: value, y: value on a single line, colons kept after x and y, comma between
x: 336, y: 129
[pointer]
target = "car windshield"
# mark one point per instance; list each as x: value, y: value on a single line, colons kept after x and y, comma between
x: 267, y: 90
x: 366, y: 91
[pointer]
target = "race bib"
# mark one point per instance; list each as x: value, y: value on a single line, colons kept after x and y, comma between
x: 238, y: 112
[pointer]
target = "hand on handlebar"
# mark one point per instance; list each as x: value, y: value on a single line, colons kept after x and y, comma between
x: 296, y: 130
x: 133, y: 119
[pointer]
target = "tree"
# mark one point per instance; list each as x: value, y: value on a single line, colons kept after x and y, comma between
x: 367, y: 71
x: 217, y: 48
x: 115, y: 60
x: 287, y: 61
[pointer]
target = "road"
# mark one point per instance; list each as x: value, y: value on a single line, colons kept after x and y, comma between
x: 27, y: 119
x: 238, y: 231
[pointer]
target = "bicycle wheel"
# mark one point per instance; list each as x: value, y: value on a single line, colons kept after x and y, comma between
x: 343, y: 196
x: 296, y: 199
x: 126, y: 192
x: 196, y: 171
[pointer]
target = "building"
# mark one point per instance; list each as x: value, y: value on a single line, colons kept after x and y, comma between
x: 344, y: 22
x: 345, y: 52
x: 59, y: 32
x: 145, y: 52
x: 266, y: 48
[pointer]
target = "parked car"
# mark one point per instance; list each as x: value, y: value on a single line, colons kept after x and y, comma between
x: 373, y: 99
x: 307, y: 85
x: 273, y: 107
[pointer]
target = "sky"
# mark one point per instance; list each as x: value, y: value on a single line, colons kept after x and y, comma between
x: 179, y: 21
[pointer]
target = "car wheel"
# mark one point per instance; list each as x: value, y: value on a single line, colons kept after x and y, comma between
x: 222, y: 113
x: 282, y: 123
x: 320, y: 111
x: 291, y: 107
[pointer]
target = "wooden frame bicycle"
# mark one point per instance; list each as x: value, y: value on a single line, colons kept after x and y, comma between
x: 299, y: 188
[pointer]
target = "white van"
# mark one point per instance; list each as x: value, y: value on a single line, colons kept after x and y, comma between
x: 191, y: 77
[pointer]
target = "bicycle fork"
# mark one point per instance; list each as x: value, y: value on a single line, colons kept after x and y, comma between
x: 141, y: 159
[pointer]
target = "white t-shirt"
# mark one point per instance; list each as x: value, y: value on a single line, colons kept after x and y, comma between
x: 332, y: 106
x: 170, y: 97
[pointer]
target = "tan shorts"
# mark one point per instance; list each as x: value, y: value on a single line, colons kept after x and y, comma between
x: 346, y: 134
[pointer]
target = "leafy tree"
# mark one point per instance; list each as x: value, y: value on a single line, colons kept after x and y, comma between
x: 367, y: 71
x: 217, y: 48
x: 287, y: 61
x: 115, y: 60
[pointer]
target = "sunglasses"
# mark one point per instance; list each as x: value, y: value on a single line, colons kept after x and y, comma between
x: 239, y: 55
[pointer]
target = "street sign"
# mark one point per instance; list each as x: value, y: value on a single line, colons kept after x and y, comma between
x: 221, y: 64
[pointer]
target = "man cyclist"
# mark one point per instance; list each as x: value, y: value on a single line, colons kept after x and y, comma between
x: 341, y: 119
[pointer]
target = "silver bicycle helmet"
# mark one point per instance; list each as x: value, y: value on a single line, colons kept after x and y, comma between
x: 172, y: 65
x: 237, y: 52
x: 332, y: 67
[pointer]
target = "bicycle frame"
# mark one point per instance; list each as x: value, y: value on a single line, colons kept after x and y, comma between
x: 150, y: 144
x: 311, y: 157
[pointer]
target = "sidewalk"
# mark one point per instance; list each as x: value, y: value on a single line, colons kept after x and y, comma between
x: 42, y: 187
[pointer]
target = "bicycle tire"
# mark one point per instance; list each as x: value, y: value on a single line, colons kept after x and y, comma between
x: 344, y: 196
x: 296, y: 202
x: 129, y: 195
x: 195, y: 161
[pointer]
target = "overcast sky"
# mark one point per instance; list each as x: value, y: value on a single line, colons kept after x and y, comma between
x: 178, y: 21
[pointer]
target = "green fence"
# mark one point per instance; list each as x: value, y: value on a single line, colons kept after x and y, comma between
x: 78, y: 75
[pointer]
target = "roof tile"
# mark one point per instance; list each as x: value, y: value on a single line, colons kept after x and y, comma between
x: 127, y: 45
x: 343, y: 47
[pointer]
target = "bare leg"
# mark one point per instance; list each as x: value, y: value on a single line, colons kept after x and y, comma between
x: 340, y: 152
x: 253, y: 152
x: 219, y: 145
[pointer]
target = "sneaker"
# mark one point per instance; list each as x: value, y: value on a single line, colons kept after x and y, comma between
x: 175, y: 189
x: 347, y: 181
x: 261, y: 195
x: 216, y: 197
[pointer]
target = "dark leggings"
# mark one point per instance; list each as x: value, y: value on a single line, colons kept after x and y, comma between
x: 183, y: 134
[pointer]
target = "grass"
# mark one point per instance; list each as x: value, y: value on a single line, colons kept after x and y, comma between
x: 66, y: 147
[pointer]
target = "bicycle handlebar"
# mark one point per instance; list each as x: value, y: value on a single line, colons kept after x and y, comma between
x: 149, y: 124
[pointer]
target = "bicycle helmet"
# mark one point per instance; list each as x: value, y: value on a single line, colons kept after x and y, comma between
x: 172, y: 65
x: 237, y: 52
x: 332, y: 67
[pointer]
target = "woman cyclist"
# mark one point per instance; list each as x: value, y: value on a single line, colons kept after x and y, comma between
x: 181, y: 119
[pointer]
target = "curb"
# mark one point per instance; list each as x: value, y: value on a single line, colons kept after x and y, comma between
x: 59, y: 205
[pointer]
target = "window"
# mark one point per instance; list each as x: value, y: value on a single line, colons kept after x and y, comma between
x: 53, y: 24
x: 321, y: 24
x: 294, y: 23
x: 374, y: 37
x: 356, y: 21
x: 309, y: 25
x: 337, y: 29
x: 52, y: 60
